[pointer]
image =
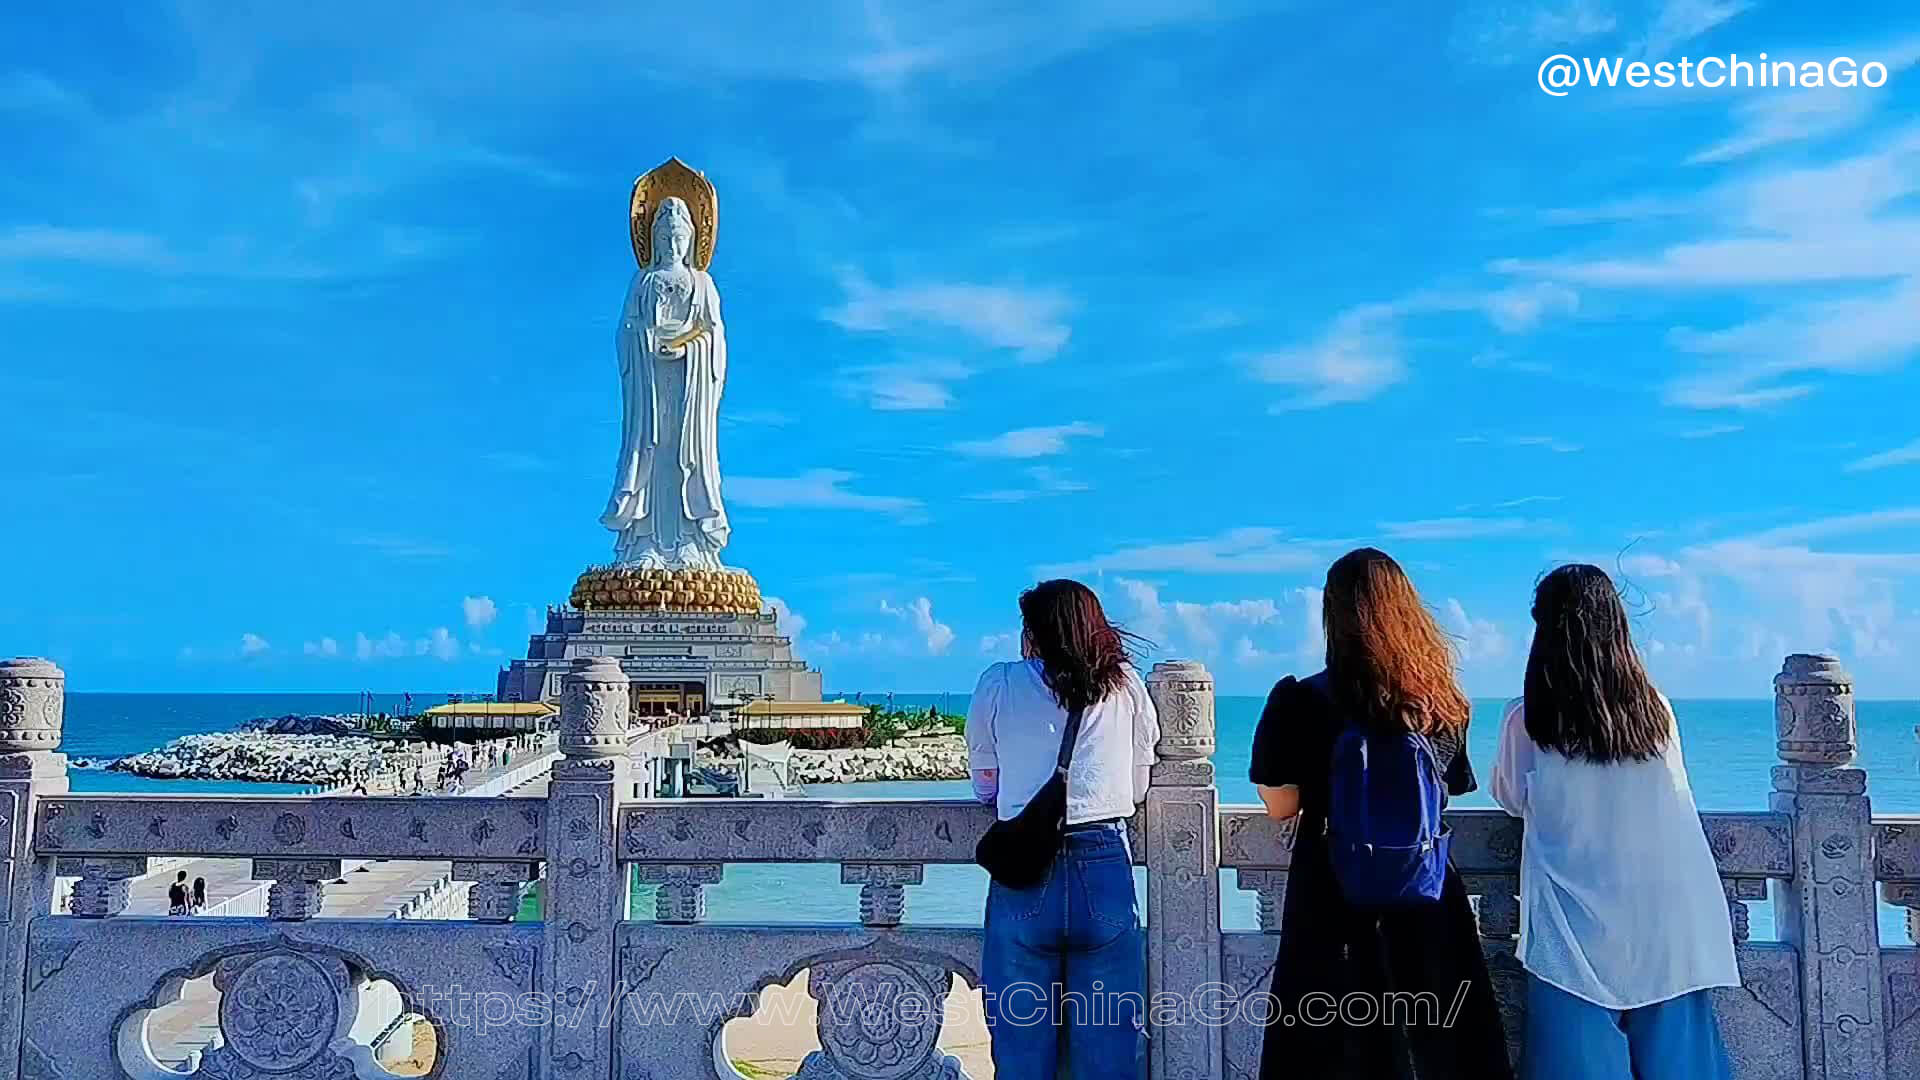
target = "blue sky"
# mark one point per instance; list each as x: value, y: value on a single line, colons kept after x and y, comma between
x: 308, y: 379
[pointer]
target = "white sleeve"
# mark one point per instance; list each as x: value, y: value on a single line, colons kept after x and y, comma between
x: 1513, y: 761
x: 1146, y: 734
x: 982, y: 754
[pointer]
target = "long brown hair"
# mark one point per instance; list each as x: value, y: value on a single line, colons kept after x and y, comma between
x: 1587, y: 697
x: 1388, y: 661
x: 1083, y: 657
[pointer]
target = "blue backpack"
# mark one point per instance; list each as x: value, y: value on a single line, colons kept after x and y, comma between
x: 1386, y: 836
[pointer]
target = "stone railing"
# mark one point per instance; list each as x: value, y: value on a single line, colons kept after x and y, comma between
x: 1826, y: 1000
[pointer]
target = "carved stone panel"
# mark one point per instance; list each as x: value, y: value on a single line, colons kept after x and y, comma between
x: 354, y: 827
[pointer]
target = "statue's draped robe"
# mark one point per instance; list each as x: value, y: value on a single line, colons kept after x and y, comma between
x: 666, y: 490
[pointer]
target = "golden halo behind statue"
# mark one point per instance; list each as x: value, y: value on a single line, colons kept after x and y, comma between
x: 669, y: 179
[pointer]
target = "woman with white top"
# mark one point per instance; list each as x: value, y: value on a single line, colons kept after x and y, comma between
x: 1623, y: 924
x: 1072, y: 944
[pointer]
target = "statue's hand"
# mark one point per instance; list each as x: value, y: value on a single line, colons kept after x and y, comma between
x: 673, y: 352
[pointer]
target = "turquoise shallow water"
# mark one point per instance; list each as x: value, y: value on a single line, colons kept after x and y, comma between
x: 1728, y: 746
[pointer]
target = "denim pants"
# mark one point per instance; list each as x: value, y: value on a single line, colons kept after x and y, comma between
x: 1569, y: 1038
x: 1064, y: 967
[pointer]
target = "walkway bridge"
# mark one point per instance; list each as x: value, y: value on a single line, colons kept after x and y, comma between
x: 582, y: 989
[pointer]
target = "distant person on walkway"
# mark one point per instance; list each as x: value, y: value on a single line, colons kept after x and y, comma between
x: 1078, y: 931
x: 1623, y: 923
x: 199, y: 900
x: 177, y: 895
x: 1378, y: 737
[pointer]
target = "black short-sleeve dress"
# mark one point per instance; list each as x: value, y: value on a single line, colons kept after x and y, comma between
x: 1328, y: 947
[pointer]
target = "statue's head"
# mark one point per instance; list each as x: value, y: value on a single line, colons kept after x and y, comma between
x: 672, y: 232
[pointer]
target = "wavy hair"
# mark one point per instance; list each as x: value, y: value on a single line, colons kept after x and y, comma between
x: 1587, y: 695
x: 1388, y: 661
x: 1083, y: 657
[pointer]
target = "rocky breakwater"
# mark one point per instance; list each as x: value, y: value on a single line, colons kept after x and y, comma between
x: 937, y: 758
x: 257, y: 757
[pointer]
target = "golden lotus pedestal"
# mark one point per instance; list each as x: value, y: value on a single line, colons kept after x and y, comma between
x: 625, y: 588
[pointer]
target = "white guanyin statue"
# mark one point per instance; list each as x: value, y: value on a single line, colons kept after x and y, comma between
x: 666, y: 504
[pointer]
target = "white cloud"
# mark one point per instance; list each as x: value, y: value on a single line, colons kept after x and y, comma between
x: 1356, y: 359
x: 1311, y: 652
x: 1460, y: 528
x: 1506, y: 32
x: 1199, y: 628
x: 1766, y: 121
x: 1523, y: 307
x: 439, y: 644
x: 1477, y: 639
x: 1680, y: 21
x: 791, y: 622
x: 1805, y: 596
x: 1847, y: 225
x: 326, y: 647
x: 1030, y: 442
x: 904, y: 387
x: 253, y: 644
x: 1250, y: 550
x: 1031, y: 321
x: 1045, y: 481
x: 919, y: 614
x: 479, y: 611
x: 105, y: 247
x: 818, y: 489
x: 998, y: 644
x: 1711, y: 431
x: 1899, y: 455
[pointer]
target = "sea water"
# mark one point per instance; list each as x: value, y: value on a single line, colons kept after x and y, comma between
x: 1728, y: 745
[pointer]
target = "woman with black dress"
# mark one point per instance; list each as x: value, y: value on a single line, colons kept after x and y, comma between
x: 1362, y: 994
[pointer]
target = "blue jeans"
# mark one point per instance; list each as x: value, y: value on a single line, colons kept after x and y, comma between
x: 1064, y: 968
x: 1570, y: 1038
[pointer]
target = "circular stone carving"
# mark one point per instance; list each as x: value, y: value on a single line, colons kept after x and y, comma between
x: 280, y: 1013
x: 593, y: 709
x: 32, y: 701
x: 879, y: 1021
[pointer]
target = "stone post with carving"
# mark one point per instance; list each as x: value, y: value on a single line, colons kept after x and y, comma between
x: 32, y: 707
x: 1828, y: 910
x: 585, y: 892
x: 1183, y: 878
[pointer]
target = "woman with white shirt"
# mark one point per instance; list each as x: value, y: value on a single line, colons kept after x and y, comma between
x: 1069, y: 951
x: 1623, y: 923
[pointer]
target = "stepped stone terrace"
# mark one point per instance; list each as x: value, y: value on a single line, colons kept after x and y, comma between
x: 1827, y: 999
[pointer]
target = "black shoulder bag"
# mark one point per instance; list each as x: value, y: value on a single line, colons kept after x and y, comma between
x: 1017, y: 852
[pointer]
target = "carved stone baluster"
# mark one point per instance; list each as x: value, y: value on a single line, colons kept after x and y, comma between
x: 677, y: 896
x: 1739, y: 890
x: 883, y: 889
x: 1271, y: 886
x: 1498, y: 906
x: 101, y: 891
x: 298, y: 885
x: 1183, y: 872
x: 1827, y: 909
x: 585, y: 886
x: 32, y: 707
x: 1906, y: 896
x: 494, y: 895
